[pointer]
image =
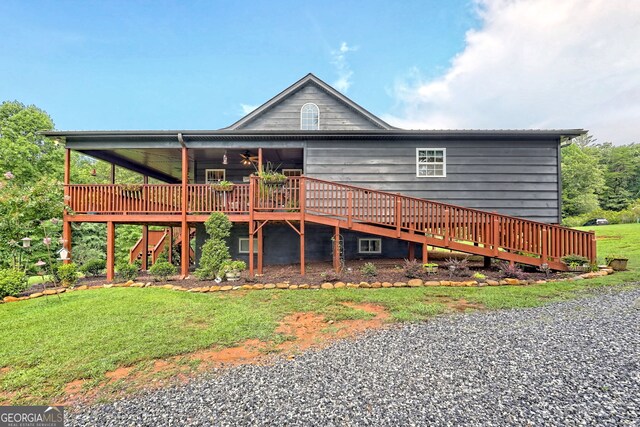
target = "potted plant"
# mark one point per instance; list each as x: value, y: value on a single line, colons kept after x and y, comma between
x: 430, y: 268
x: 576, y: 263
x: 617, y: 262
x: 270, y: 175
x: 224, y: 186
x: 232, y: 270
x: 131, y: 189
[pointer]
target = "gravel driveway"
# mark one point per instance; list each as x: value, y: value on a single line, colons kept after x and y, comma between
x: 570, y: 363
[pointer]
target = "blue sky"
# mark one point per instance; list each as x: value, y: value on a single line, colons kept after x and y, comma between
x: 417, y: 64
x: 174, y: 65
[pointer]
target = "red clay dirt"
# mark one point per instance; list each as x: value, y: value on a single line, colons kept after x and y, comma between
x: 309, y: 329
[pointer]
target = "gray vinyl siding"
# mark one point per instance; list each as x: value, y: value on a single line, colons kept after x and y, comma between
x: 334, y: 114
x: 518, y: 178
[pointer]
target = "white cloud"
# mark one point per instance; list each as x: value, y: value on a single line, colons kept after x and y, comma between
x: 537, y: 64
x: 339, y: 61
x: 247, y: 108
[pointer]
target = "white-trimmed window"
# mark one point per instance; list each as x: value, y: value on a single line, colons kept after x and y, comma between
x: 292, y: 172
x: 214, y: 175
x: 369, y: 246
x: 243, y: 245
x: 309, y: 117
x: 431, y: 162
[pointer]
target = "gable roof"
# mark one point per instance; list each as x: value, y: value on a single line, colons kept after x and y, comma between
x: 306, y: 80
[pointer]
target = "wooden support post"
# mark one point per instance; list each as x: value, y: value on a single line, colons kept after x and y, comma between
x: 185, y: 254
x: 593, y: 253
x: 425, y: 253
x: 302, y: 204
x: 145, y: 247
x: 260, y: 250
x: 260, y: 160
x: 336, y: 249
x: 398, y: 215
x: 66, y: 224
x: 170, y: 245
x: 252, y: 197
x: 111, y: 244
x: 412, y: 251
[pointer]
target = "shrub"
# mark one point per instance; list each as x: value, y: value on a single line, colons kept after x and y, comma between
x: 12, y: 282
x: 457, y: 266
x: 330, y: 276
x: 479, y: 277
x: 412, y: 269
x: 574, y: 259
x: 161, y: 270
x: 511, y: 271
x: 68, y: 274
x: 215, y: 251
x: 232, y: 266
x: 369, y: 270
x: 126, y: 271
x: 93, y: 267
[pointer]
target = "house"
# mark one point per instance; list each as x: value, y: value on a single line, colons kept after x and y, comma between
x: 357, y: 187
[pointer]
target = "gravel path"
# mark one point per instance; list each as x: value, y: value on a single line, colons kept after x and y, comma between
x: 570, y: 363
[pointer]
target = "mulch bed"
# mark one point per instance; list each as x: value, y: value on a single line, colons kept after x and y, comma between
x: 388, y: 270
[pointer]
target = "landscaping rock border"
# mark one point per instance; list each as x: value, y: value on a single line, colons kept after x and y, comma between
x: 412, y: 283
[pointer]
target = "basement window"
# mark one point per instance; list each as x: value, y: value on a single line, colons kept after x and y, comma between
x: 370, y: 246
x: 214, y: 175
x: 431, y: 162
x: 309, y: 117
x: 243, y: 245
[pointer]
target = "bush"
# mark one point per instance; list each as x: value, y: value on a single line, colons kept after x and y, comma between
x: 479, y: 277
x: 215, y: 251
x: 574, y: 259
x: 457, y: 266
x: 330, y: 276
x: 511, y: 271
x: 12, y: 282
x: 93, y: 267
x: 232, y: 266
x: 126, y: 271
x: 68, y: 274
x: 369, y: 270
x: 161, y: 270
x: 412, y: 269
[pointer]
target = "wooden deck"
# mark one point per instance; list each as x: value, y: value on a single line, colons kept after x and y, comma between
x: 304, y: 199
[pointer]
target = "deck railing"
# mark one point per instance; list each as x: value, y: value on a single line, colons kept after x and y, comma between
x: 348, y: 203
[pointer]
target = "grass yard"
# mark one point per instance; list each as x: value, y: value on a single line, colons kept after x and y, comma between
x: 48, y: 343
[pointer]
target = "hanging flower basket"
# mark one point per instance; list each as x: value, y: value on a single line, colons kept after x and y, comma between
x: 225, y: 186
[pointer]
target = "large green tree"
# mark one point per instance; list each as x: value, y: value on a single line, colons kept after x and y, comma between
x: 582, y: 180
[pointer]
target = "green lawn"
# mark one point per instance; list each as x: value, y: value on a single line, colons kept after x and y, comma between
x: 48, y: 342
x: 618, y: 239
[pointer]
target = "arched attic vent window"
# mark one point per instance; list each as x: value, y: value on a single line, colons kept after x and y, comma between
x: 309, y: 117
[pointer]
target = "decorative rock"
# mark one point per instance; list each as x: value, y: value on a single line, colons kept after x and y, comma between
x: 214, y: 288
x: 62, y: 290
x: 137, y: 285
x: 35, y: 295
x: 107, y: 286
x: 49, y: 292
x: 314, y: 287
x: 510, y: 281
x: 247, y: 287
x: 365, y: 285
x: 269, y: 286
x: 10, y: 299
x: 470, y: 283
x: 235, y: 288
x: 445, y: 283
x: 353, y: 285
x: 282, y: 285
x: 293, y: 287
x: 304, y: 286
x: 540, y: 282
x: 399, y: 285
x: 204, y: 289
x: 432, y: 283
x: 146, y: 285
x: 258, y: 286
x: 576, y: 278
x: 503, y: 282
x: 22, y: 298
x: 415, y: 283
x: 327, y: 285
x: 339, y: 285
x: 129, y: 283
x: 376, y: 285
x: 167, y: 286
x: 387, y: 285
x: 492, y: 282
x: 82, y: 288
x: 226, y: 288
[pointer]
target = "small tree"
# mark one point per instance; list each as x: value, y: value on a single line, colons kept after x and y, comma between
x: 215, y: 251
